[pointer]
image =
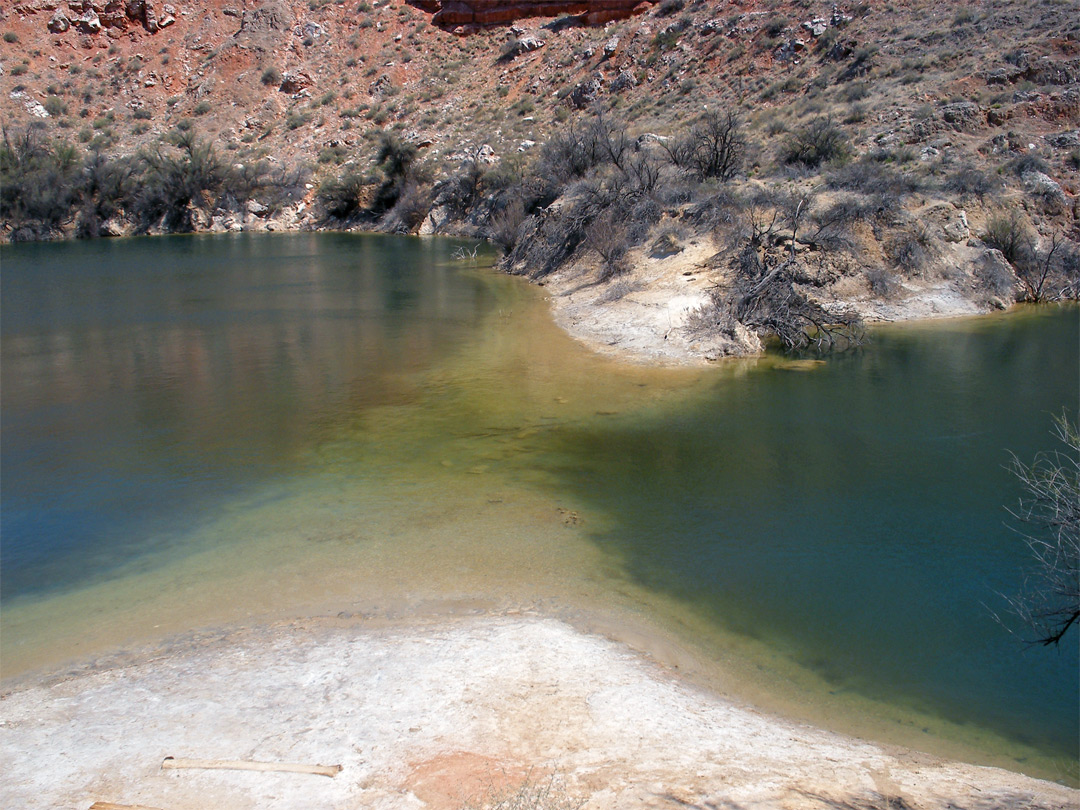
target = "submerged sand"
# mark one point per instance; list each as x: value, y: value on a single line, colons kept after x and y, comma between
x: 430, y: 713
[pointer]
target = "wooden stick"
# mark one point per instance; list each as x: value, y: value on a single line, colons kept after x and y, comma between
x: 111, y: 806
x: 245, y: 765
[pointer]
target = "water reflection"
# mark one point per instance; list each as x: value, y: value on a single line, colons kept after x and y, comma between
x: 170, y: 371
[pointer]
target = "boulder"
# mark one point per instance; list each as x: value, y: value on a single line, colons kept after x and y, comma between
x: 586, y: 92
x: 1064, y: 140
x: 963, y: 116
x: 623, y: 81
x: 1046, y: 189
x: 952, y: 222
x: 483, y: 13
x: 88, y: 22
x: 59, y: 22
x: 295, y: 81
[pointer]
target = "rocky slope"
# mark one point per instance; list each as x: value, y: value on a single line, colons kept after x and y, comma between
x: 292, y: 79
x: 947, y: 124
x: 498, y: 12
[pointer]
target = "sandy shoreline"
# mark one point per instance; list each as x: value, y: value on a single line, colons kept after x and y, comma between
x: 642, y: 317
x: 431, y: 712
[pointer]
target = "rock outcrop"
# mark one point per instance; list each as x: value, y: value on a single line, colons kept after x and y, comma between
x: 94, y: 16
x: 452, y: 13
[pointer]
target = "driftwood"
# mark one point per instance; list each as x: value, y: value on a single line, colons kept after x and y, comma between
x: 111, y: 806
x: 245, y: 765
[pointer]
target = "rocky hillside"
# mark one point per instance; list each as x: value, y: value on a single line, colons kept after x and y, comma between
x: 312, y: 80
x: 856, y: 155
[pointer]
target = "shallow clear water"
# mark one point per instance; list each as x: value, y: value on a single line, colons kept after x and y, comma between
x: 203, y: 429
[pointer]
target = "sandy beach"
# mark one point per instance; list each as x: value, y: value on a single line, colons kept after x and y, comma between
x: 434, y: 713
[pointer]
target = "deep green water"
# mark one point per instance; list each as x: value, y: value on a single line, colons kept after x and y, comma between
x: 195, y: 416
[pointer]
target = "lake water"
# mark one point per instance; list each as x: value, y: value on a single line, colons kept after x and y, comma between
x: 207, y: 430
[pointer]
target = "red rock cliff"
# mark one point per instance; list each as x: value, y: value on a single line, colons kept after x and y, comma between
x: 450, y: 13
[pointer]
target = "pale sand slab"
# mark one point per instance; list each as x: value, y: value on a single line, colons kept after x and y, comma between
x: 641, y: 317
x: 425, y: 712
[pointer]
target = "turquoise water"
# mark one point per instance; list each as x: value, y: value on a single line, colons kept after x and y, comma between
x: 199, y: 429
x: 853, y: 516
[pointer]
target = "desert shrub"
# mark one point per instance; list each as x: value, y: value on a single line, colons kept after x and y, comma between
x: 856, y: 91
x: 38, y: 183
x: 397, y: 159
x: 669, y: 7
x: 11, y: 37
x: 106, y: 187
x: 714, y: 147
x: 297, y: 118
x: 1027, y: 163
x: 203, y: 107
x: 862, y: 62
x: 1010, y: 234
x: 883, y: 284
x: 606, y: 235
x: 775, y: 26
x: 409, y: 210
x: 643, y: 171
x: 820, y: 142
x: 177, y: 181
x: 271, y: 76
x: 463, y: 189
x: 617, y: 290
x: 967, y: 180
x: 55, y: 106
x: 1049, y: 271
x: 643, y: 215
x: 343, y: 197
x: 862, y: 176
x: 911, y: 248
x: 504, y: 224
x: 831, y: 226
x: 576, y: 150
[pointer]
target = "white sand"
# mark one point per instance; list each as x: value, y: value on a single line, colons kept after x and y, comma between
x: 425, y: 713
x: 641, y: 317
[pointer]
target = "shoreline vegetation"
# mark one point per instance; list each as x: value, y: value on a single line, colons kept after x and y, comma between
x: 682, y: 248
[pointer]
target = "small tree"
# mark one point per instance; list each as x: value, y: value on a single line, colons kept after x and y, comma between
x: 1050, y: 602
x: 714, y: 147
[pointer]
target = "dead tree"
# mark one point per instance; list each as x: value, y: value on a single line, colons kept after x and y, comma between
x: 1050, y: 602
x: 766, y: 300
